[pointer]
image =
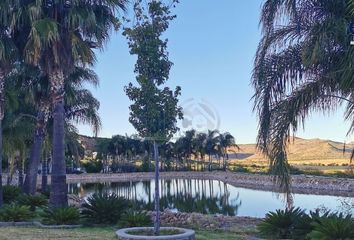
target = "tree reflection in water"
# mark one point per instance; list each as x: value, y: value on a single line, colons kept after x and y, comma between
x: 183, y: 195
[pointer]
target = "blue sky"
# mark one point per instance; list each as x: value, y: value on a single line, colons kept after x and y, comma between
x: 212, y: 47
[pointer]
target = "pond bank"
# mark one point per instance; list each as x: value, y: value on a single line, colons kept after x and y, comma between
x: 307, y: 184
x: 301, y: 183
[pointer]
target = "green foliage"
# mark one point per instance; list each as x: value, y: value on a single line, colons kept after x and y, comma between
x: 61, y: 216
x: 123, y: 168
x: 295, y: 170
x: 93, y: 166
x: 241, y: 169
x: 104, y: 208
x: 280, y: 224
x: 155, y: 109
x: 333, y: 227
x: 10, y: 193
x: 15, y: 213
x: 132, y: 218
x: 33, y: 201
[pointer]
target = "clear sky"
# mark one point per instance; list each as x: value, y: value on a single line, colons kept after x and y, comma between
x: 212, y: 45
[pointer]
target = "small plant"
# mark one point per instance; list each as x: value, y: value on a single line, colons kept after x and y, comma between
x: 104, y: 208
x: 93, y: 166
x: 133, y: 218
x: 280, y: 224
x: 33, y: 201
x: 333, y: 227
x: 15, y: 213
x: 10, y: 193
x: 61, y: 216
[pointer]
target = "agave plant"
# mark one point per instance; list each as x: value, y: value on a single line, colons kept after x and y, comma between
x: 104, y: 208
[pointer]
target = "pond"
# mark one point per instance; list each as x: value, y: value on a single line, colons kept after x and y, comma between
x: 210, y: 197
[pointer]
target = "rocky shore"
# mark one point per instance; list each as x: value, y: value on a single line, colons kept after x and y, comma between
x: 212, y: 222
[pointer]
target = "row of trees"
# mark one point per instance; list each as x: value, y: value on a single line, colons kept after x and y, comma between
x: 51, y: 40
x: 193, y: 151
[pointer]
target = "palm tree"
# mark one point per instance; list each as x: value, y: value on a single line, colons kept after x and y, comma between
x: 303, y: 64
x: 226, y: 141
x: 8, y: 54
x: 200, y: 141
x: 80, y: 106
x: 63, y: 35
x: 211, y: 144
x: 189, y: 145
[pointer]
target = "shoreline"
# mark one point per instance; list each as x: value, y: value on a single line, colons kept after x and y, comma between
x: 303, y: 184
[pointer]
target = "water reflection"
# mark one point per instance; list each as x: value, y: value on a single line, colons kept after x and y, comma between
x: 211, y: 197
x: 184, y: 195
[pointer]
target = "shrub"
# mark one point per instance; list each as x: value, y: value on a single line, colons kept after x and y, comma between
x: 123, y: 167
x: 241, y: 169
x: 15, y: 213
x: 33, y: 201
x: 280, y: 224
x: 133, y: 218
x: 61, y: 216
x: 93, y: 166
x: 104, y: 208
x: 295, y: 170
x: 10, y: 193
x: 333, y: 227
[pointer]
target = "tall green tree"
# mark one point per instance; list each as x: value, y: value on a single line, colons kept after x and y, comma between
x: 62, y: 35
x: 154, y: 111
x: 8, y: 55
x: 303, y: 65
x: 80, y: 106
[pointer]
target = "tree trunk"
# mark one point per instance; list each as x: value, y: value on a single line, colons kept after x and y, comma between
x: 58, y: 191
x: 44, y: 174
x: 157, y: 193
x: 2, y: 113
x: 30, y: 185
x: 1, y: 195
x: 20, y: 172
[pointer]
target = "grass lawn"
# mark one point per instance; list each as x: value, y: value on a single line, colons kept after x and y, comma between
x: 106, y: 233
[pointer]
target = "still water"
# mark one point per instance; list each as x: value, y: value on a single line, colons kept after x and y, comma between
x: 211, y: 197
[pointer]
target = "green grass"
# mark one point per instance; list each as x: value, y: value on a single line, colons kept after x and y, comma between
x: 95, y: 233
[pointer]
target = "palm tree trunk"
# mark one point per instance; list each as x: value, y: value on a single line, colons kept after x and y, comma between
x: 157, y: 193
x: 30, y: 185
x: 1, y: 195
x: 44, y: 174
x: 58, y: 191
x: 2, y: 113
x: 20, y: 172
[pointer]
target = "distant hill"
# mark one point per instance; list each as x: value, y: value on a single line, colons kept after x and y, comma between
x: 301, y: 151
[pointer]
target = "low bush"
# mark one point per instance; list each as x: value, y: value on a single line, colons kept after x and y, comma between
x: 93, y: 166
x: 295, y: 224
x: 10, y: 193
x: 241, y: 169
x: 333, y: 227
x: 123, y: 168
x: 104, y: 208
x: 61, y: 216
x: 15, y: 213
x: 280, y: 224
x: 133, y: 218
x: 295, y: 170
x: 33, y: 201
